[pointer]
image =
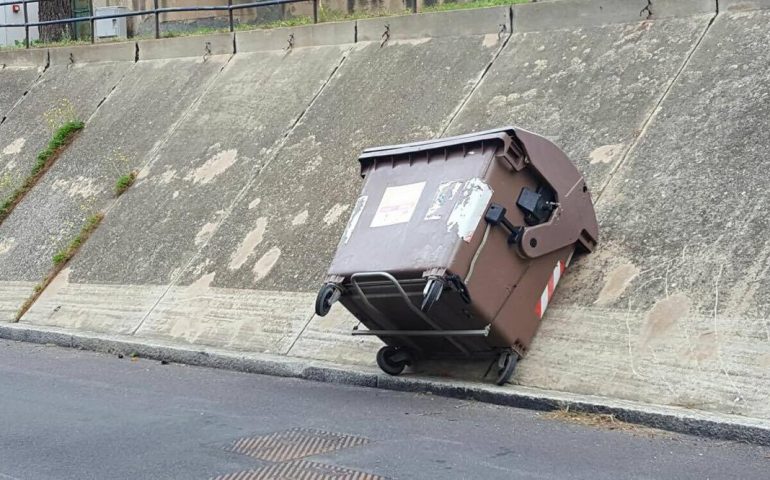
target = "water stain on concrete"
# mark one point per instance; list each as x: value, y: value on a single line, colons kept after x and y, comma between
x: 201, y: 286
x: 491, y: 40
x: 6, y: 245
x: 334, y: 213
x: 410, y: 41
x: 664, y: 315
x: 606, y: 153
x: 214, y: 166
x: 266, y: 263
x: 205, y: 233
x: 617, y: 281
x: 166, y: 177
x: 300, y: 219
x: 705, y: 347
x: 248, y: 244
x: 14, y: 148
x: 77, y: 187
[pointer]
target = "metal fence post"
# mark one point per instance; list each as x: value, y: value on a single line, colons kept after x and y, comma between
x: 230, y: 14
x: 315, y: 11
x: 93, y: 31
x: 414, y: 6
x: 157, y: 19
x: 26, y: 26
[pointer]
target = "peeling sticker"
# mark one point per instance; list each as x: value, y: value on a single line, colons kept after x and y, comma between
x: 397, y: 204
x: 444, y: 195
x: 357, y: 209
x: 469, y: 211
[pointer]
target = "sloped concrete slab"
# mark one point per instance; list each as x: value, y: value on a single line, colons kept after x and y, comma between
x: 460, y: 23
x: 107, y: 52
x: 282, y: 233
x: 33, y: 57
x: 332, y: 33
x: 673, y: 307
x: 570, y: 14
x: 16, y: 81
x: 592, y: 95
x: 61, y: 93
x: 118, y: 139
x: 157, y: 227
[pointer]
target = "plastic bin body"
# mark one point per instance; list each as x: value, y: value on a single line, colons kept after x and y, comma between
x: 422, y: 215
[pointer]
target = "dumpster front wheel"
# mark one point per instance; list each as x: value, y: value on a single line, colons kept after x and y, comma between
x: 393, y: 360
x: 506, y: 365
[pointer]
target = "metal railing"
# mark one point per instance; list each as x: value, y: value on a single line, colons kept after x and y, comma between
x: 156, y: 11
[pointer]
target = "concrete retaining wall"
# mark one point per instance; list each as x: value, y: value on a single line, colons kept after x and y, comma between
x: 246, y: 183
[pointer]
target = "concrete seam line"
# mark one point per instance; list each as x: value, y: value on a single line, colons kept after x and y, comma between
x: 241, y: 193
x: 475, y: 86
x: 152, y: 155
x: 698, y: 423
x: 648, y: 121
x: 299, y: 335
x: 109, y: 93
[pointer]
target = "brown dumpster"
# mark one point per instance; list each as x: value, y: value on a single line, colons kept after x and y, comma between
x: 456, y: 245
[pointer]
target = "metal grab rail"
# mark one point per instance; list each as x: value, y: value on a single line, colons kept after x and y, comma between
x: 156, y: 11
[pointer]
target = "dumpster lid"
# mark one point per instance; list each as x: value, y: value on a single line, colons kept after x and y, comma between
x: 505, y: 135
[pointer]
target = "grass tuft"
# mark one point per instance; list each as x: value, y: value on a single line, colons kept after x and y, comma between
x: 125, y: 181
x: 62, y: 137
x: 61, y: 258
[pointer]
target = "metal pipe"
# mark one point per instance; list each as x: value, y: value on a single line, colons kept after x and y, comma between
x: 26, y: 26
x: 157, y: 19
x: 91, y: 11
x: 230, y: 14
x: 425, y: 333
x: 412, y: 307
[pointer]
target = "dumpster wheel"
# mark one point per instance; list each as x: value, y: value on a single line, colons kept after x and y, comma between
x: 393, y: 360
x: 328, y: 294
x: 506, y: 365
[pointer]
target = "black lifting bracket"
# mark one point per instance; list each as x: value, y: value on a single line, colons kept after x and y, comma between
x: 496, y: 216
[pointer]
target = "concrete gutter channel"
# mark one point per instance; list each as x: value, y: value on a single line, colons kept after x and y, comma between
x: 521, y: 18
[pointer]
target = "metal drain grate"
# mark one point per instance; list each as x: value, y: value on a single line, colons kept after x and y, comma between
x: 293, y: 444
x: 300, y: 470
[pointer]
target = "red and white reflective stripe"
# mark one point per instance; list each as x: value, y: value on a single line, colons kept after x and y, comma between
x: 545, y: 297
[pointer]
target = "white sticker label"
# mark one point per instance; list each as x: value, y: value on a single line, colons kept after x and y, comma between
x: 398, y: 204
x: 357, y: 209
x: 444, y: 195
x: 470, y: 209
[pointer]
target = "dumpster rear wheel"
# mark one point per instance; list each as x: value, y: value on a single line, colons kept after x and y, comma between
x: 393, y: 360
x: 506, y: 365
x: 328, y: 294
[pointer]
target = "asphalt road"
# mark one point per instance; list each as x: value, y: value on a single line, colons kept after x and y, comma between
x: 67, y: 414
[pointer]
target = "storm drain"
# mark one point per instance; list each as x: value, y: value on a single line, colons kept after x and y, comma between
x: 300, y: 470
x: 293, y: 444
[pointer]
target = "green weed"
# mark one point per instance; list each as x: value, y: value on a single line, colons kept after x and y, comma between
x: 125, y: 181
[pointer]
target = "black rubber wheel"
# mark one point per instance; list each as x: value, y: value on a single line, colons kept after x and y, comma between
x: 325, y: 299
x: 506, y: 366
x: 393, y: 360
